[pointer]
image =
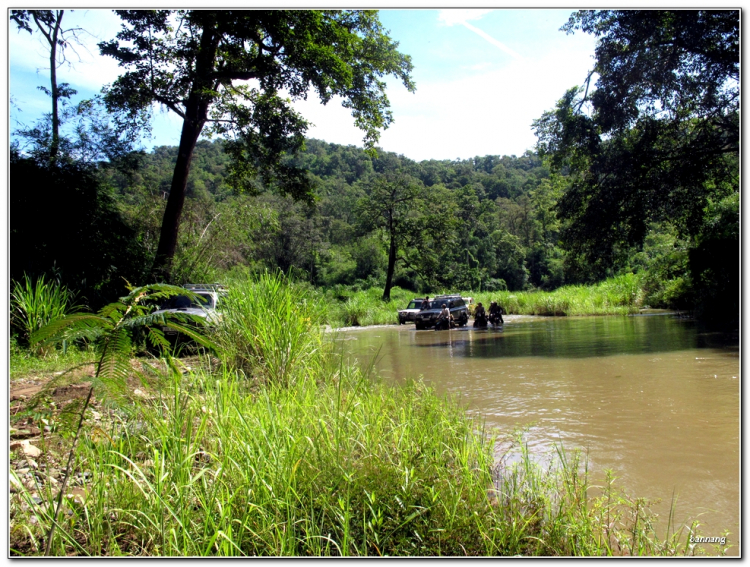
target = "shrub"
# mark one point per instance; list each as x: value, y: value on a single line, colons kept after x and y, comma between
x: 33, y: 305
x: 269, y: 328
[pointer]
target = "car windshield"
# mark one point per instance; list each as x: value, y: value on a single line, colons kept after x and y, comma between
x: 414, y: 304
x: 183, y: 302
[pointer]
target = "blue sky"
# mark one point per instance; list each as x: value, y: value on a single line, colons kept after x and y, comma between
x: 482, y: 76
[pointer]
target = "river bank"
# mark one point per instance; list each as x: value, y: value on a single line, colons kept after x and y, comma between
x: 621, y: 295
x: 306, y: 455
x: 654, y: 398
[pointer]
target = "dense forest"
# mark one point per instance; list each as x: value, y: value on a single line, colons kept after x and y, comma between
x: 483, y: 224
x: 654, y: 194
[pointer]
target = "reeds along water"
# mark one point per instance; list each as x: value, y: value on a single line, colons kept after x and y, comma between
x: 620, y: 295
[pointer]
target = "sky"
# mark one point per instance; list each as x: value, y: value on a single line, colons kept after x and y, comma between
x: 482, y: 77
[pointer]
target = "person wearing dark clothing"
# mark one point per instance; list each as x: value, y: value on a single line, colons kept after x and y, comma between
x: 480, y: 316
x: 496, y: 314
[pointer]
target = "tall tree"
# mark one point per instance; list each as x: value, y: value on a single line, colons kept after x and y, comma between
x: 49, y: 24
x: 657, y: 138
x: 234, y: 70
x: 393, y: 205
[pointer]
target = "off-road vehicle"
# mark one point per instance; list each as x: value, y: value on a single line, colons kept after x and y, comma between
x: 460, y: 312
x: 204, y: 305
x: 410, y: 313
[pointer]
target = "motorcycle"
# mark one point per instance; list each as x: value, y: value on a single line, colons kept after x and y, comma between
x: 496, y: 319
x: 480, y: 321
x: 444, y: 324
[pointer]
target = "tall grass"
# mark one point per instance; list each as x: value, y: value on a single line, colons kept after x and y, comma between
x: 270, y: 329
x: 347, y: 466
x: 620, y: 295
x: 34, y: 304
x: 347, y: 308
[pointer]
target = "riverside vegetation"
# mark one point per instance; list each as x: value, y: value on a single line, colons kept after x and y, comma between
x: 271, y: 444
x: 274, y: 446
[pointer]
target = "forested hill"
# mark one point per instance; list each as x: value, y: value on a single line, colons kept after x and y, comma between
x: 482, y: 223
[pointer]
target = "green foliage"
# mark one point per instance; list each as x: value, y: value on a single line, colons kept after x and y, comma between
x: 620, y: 295
x: 34, y: 304
x: 201, y: 68
x: 656, y: 140
x: 269, y: 329
x: 394, y: 205
x: 353, y: 308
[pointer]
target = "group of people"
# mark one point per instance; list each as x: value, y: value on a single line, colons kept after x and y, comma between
x: 494, y: 316
x: 481, y: 317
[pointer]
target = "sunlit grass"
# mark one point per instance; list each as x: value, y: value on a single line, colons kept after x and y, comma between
x: 621, y: 295
x: 299, y: 453
x: 343, y: 466
x: 25, y: 363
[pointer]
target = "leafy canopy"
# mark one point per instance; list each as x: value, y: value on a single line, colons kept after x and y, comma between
x: 657, y: 137
x: 239, y: 70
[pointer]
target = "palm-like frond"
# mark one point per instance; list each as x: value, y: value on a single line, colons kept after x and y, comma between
x: 70, y: 327
x: 114, y: 364
x: 156, y: 338
x: 115, y: 325
x: 195, y: 335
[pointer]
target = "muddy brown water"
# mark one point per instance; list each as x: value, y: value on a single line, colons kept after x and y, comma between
x: 654, y: 398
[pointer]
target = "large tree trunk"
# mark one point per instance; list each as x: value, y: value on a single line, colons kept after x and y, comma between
x: 170, y: 225
x: 196, y: 114
x: 391, y: 269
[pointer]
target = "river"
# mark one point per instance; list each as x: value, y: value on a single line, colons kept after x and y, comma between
x: 654, y: 398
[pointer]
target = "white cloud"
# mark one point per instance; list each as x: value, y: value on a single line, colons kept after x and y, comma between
x: 489, y: 113
x: 87, y: 69
x: 453, y: 17
x: 462, y: 17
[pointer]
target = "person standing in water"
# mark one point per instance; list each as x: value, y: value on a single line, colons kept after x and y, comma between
x: 496, y: 314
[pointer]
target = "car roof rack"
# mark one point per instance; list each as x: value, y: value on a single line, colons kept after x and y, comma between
x: 217, y: 287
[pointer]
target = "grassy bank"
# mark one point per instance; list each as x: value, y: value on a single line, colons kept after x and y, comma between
x: 621, y: 295
x: 302, y: 455
x: 211, y: 466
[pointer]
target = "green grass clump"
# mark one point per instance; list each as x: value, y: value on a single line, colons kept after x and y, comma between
x: 350, y: 308
x: 620, y: 295
x: 270, y: 329
x: 34, y: 304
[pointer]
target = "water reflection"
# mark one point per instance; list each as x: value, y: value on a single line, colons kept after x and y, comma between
x: 656, y: 399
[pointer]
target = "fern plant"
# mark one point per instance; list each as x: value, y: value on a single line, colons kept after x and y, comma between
x: 112, y: 331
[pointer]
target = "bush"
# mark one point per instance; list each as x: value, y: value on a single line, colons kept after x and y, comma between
x: 270, y: 328
x: 33, y: 305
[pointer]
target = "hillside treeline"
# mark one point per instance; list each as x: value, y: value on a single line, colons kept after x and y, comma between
x: 487, y: 223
